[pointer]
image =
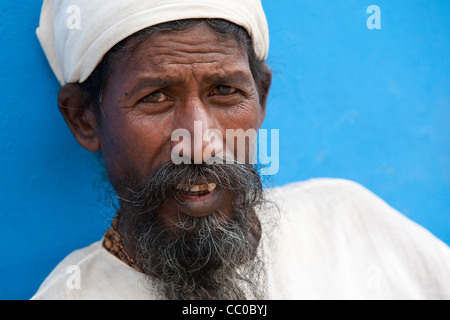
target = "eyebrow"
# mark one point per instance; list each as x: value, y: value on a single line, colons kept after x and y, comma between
x: 151, y: 82
x: 232, y: 77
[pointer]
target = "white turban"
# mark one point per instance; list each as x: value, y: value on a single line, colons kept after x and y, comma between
x: 76, y: 34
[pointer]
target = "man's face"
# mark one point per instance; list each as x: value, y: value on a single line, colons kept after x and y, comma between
x: 167, y: 82
x: 192, y: 227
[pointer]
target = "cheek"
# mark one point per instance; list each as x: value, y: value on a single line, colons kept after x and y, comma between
x: 132, y: 149
x: 245, y: 116
x: 240, y: 131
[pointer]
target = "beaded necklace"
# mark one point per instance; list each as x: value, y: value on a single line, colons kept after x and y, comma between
x: 113, y: 243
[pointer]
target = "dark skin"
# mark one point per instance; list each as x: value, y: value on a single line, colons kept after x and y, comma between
x: 164, y: 83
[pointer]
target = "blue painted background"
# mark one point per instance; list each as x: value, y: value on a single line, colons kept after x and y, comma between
x: 368, y: 105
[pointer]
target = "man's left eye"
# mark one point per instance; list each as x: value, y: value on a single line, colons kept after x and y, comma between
x: 223, y: 90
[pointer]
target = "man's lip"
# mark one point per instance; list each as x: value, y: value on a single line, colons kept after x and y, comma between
x: 200, y: 205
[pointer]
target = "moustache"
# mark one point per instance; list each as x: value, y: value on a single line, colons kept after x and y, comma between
x: 175, y: 180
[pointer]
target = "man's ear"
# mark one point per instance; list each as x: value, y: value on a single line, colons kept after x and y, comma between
x: 263, y: 86
x: 81, y: 121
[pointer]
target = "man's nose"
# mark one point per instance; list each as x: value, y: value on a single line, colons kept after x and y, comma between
x: 202, y: 139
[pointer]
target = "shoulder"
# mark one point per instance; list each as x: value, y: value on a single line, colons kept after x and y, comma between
x: 340, y: 203
x: 62, y: 282
x: 335, y: 199
x: 329, y: 199
x: 352, y: 227
x: 328, y: 190
x: 91, y: 273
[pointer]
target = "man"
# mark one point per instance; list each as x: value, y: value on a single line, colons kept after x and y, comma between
x: 137, y: 71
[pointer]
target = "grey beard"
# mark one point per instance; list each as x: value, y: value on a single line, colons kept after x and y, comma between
x: 210, y: 257
x: 203, y: 258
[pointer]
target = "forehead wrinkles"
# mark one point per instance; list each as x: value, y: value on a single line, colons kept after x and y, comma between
x: 186, y: 47
x: 189, y: 57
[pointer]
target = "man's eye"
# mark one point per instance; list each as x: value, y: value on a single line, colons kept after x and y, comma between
x: 223, y: 90
x: 156, y: 97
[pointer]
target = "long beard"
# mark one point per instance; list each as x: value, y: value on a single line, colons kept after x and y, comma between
x: 211, y: 257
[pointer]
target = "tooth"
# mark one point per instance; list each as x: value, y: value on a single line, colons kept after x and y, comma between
x: 195, y: 188
x: 211, y: 187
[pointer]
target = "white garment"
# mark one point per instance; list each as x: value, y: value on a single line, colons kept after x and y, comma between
x: 76, y: 34
x: 333, y: 240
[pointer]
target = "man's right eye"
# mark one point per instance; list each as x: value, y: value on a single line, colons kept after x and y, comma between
x: 155, y: 97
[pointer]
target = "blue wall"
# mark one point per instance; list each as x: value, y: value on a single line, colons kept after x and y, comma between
x: 368, y: 105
